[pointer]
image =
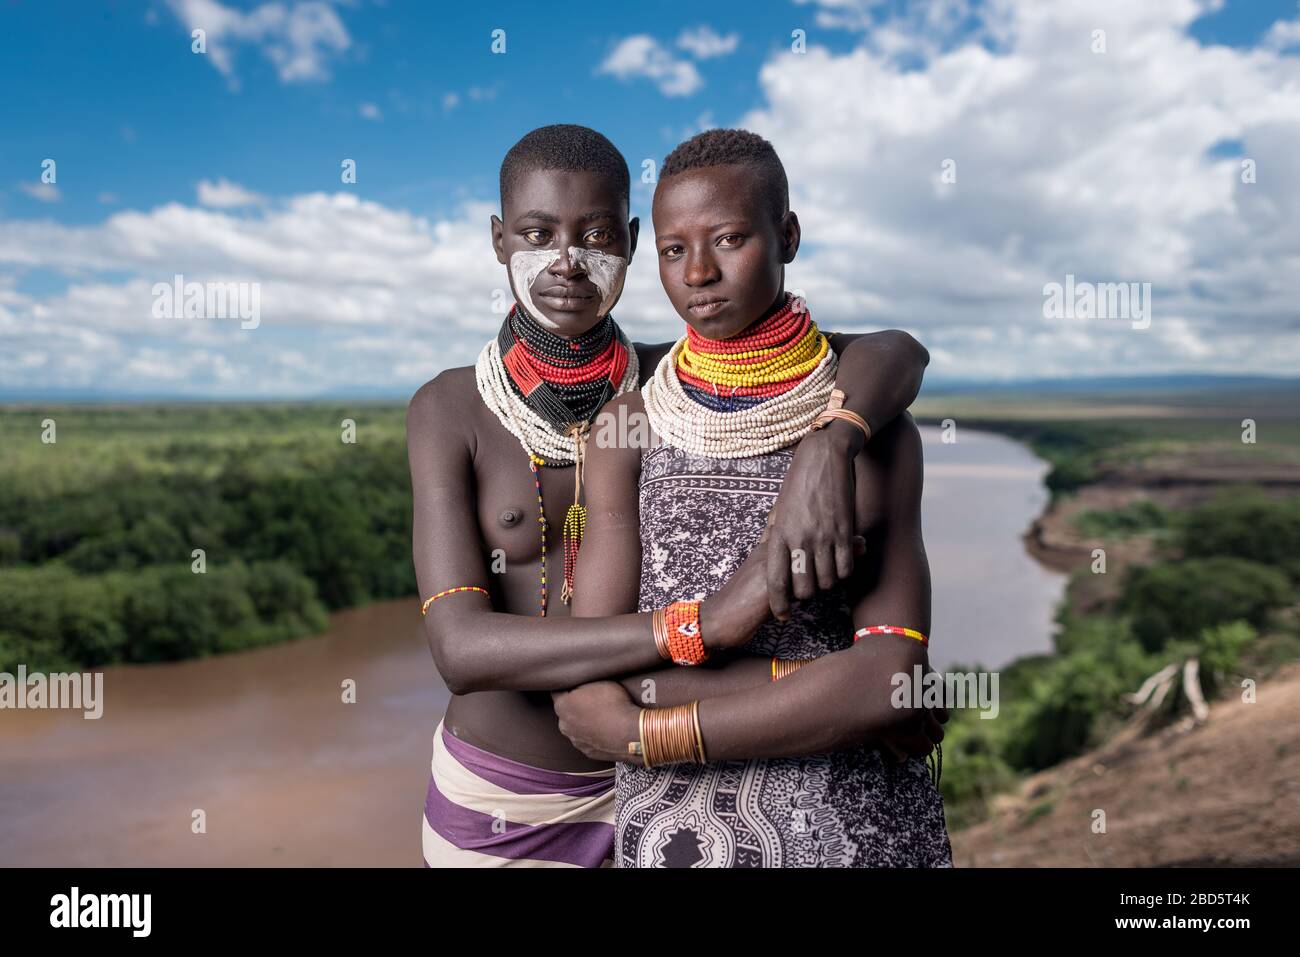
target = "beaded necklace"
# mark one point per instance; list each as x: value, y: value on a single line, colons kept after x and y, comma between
x: 748, y: 395
x: 545, y: 389
x: 565, y: 381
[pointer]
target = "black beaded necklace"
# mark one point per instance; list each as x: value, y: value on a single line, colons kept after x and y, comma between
x: 553, y: 375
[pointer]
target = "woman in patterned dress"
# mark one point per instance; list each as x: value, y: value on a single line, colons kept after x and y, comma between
x: 794, y: 777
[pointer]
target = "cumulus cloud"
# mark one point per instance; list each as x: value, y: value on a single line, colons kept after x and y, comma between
x: 45, y: 192
x: 940, y: 185
x: 644, y: 56
x: 1283, y: 35
x: 299, y: 38
x: 224, y: 194
x: 704, y: 43
x: 943, y: 194
x: 353, y: 294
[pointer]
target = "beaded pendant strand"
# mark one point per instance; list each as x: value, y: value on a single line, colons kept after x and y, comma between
x: 533, y: 463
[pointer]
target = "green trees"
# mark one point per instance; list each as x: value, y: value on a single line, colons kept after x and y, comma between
x: 1246, y: 524
x: 56, y: 619
x: 1174, y: 600
x: 1227, y: 567
x: 97, y: 532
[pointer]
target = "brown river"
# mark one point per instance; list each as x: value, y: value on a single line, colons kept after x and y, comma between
x: 286, y: 773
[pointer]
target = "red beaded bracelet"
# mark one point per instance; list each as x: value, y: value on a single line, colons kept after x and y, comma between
x: 685, y: 643
x: 891, y: 630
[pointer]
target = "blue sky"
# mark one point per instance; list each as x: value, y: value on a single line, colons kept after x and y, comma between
x: 1112, y: 165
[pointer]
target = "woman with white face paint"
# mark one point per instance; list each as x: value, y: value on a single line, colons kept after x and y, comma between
x: 495, y: 446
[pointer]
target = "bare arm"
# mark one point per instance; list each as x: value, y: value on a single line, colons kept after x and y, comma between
x: 840, y: 700
x: 880, y: 375
x: 474, y: 647
x: 844, y: 698
x: 607, y: 579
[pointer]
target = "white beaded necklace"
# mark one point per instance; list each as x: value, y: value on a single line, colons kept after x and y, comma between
x: 770, y: 425
x: 535, y: 434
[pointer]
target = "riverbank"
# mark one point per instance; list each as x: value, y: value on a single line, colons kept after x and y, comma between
x: 284, y: 771
x: 1146, y: 486
x: 1225, y: 793
x: 288, y: 773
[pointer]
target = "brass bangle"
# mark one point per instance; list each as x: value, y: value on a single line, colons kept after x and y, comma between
x: 659, y: 626
x: 785, y: 667
x: 669, y: 735
x: 640, y: 724
x: 699, y: 735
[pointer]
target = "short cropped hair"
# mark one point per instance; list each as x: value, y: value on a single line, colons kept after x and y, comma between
x: 733, y: 148
x: 564, y: 146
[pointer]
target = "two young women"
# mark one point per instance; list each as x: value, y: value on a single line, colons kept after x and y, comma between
x: 499, y: 453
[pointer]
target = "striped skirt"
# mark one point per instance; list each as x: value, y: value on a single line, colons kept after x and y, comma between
x: 483, y: 810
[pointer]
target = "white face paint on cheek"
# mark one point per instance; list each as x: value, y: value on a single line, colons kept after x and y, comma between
x: 605, y: 271
x: 525, y: 266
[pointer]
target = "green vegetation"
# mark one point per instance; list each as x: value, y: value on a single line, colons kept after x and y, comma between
x: 1136, y: 518
x: 98, y: 529
x: 1222, y: 586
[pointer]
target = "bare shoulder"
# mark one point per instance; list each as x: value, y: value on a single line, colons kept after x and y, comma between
x: 894, y: 339
x: 632, y: 401
x: 442, y: 405
x: 618, y: 433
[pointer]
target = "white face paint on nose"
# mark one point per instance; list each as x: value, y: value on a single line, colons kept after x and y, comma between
x: 606, y: 272
x: 525, y: 266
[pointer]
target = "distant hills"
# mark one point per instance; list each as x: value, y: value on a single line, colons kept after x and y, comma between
x: 1092, y: 386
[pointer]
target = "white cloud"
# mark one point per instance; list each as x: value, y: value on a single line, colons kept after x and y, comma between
x: 642, y: 56
x: 299, y: 38
x: 371, y: 112
x: 224, y: 194
x: 1283, y: 35
x: 371, y: 296
x: 1066, y: 161
x: 45, y: 192
x: 705, y: 43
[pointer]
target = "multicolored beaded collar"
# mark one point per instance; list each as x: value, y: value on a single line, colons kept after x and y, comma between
x: 545, y: 389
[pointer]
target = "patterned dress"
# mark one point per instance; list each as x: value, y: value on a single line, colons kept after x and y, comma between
x: 700, y: 517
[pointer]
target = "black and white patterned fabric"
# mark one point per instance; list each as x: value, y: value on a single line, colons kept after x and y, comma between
x: 700, y: 517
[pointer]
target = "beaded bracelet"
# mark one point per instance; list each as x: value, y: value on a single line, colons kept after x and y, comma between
x: 785, y: 667
x: 684, y: 640
x: 424, y: 609
x: 891, y: 630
